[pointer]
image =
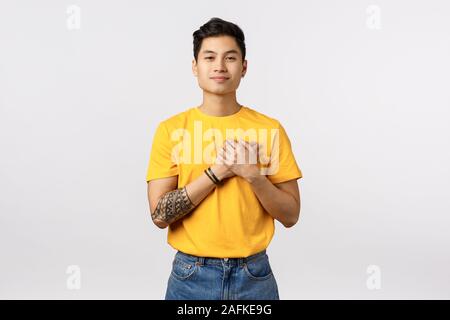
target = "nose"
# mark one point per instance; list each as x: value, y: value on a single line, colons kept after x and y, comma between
x: 220, y: 66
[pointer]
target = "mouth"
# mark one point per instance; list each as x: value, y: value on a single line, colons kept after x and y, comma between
x: 219, y: 79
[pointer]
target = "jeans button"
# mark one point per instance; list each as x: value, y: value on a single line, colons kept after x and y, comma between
x: 226, y: 259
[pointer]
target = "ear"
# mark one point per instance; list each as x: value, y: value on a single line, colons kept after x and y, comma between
x: 194, y: 67
x: 244, y: 68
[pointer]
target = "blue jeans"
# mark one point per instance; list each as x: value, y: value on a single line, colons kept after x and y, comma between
x: 205, y: 278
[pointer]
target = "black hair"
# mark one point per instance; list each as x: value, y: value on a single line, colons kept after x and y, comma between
x: 218, y: 27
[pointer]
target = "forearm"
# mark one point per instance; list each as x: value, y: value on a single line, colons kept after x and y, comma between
x: 199, y: 188
x: 175, y: 204
x: 279, y: 204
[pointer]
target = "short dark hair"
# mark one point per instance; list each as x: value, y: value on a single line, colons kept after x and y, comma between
x: 218, y: 27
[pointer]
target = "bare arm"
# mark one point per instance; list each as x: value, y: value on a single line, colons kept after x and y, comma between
x: 169, y: 203
x: 281, y: 200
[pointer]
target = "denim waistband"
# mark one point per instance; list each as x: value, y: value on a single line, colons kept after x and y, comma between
x: 216, y: 261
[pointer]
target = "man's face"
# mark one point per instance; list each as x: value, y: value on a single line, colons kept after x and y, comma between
x: 219, y: 66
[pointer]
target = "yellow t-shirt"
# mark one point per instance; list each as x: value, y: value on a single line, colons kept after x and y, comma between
x: 230, y: 222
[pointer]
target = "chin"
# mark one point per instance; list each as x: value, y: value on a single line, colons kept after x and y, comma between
x: 216, y: 90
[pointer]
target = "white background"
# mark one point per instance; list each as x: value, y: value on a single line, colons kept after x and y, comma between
x: 366, y: 110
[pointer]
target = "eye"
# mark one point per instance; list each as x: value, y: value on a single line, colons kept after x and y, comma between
x: 207, y: 58
x: 232, y: 58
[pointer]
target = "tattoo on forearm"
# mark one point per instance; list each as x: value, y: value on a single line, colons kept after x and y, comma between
x: 173, y: 205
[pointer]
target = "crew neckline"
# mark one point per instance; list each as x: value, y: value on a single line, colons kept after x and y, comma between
x: 231, y: 116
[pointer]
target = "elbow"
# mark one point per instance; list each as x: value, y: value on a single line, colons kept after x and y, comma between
x: 289, y: 224
x: 157, y: 221
x: 293, y: 218
x: 292, y: 222
x: 160, y: 224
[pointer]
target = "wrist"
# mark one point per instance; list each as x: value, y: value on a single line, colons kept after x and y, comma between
x: 255, y: 179
x: 220, y: 171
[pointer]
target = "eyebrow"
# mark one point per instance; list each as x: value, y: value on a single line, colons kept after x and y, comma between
x: 226, y: 52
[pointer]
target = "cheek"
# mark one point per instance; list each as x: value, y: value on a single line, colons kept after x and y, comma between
x: 236, y: 71
x: 203, y: 73
x: 202, y: 68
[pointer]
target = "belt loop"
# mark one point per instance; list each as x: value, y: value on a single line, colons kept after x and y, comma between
x: 201, y: 260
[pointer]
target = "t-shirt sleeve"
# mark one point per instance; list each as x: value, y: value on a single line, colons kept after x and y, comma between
x: 161, y: 163
x: 283, y: 166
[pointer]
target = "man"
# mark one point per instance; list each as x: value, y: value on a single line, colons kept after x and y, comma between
x: 218, y: 176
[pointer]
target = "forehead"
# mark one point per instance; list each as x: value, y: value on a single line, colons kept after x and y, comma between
x: 219, y: 44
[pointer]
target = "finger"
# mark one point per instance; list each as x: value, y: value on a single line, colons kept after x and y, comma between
x: 243, y: 143
x: 254, y: 146
x: 231, y: 142
x: 253, y: 150
x: 229, y: 145
x: 219, y: 158
x: 229, y: 161
x: 240, y: 152
x: 229, y: 156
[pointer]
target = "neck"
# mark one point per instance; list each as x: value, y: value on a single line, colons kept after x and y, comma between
x: 219, y: 105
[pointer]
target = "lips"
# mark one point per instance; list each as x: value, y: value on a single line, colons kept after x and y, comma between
x: 219, y: 79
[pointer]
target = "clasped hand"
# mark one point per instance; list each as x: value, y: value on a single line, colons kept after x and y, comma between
x: 240, y: 157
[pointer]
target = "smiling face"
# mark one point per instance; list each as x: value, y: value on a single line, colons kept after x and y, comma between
x: 219, y: 66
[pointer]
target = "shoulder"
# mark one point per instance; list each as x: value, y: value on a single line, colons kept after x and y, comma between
x: 176, y: 120
x: 262, y: 118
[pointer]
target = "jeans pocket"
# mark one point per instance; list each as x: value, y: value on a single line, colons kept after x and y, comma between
x: 258, y: 268
x: 183, y: 270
